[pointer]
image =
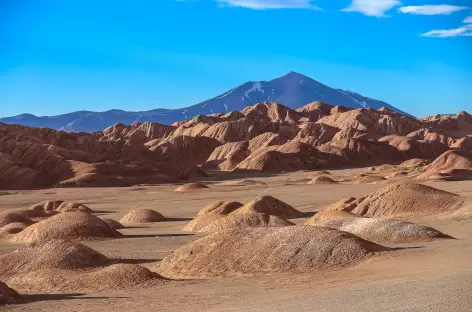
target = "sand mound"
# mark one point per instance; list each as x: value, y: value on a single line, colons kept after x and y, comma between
x: 64, y: 266
x: 8, y: 217
x: 60, y: 206
x: 220, y: 207
x: 452, y: 165
x: 398, y: 174
x: 253, y: 251
x: 346, y: 204
x: 55, y: 254
x: 117, y: 276
x: 375, y: 229
x: 190, y: 187
x: 386, y: 168
x: 322, y: 180
x: 12, y: 228
x: 413, y: 163
x: 364, y: 179
x: 66, y: 225
x: 114, y: 224
x: 142, y: 216
x: 245, y: 221
x: 402, y: 199
x: 8, y: 295
x: 198, y: 223
x: 269, y: 205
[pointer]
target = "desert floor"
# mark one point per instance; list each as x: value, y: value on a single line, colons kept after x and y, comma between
x: 433, y: 276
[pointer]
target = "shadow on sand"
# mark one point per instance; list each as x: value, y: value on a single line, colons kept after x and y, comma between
x: 155, y: 235
x: 134, y: 261
x: 54, y: 297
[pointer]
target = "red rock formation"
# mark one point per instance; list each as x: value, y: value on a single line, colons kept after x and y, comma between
x: 262, y: 137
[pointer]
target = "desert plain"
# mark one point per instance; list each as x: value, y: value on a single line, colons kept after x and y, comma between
x: 419, y: 276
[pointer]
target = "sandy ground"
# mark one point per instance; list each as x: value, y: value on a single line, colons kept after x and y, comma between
x: 434, y: 276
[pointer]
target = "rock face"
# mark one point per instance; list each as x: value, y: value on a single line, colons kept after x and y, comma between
x: 254, y: 251
x: 375, y: 229
x: 266, y: 137
x: 66, y: 225
x: 36, y: 158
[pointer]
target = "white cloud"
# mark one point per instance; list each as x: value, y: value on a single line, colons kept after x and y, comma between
x: 442, y: 9
x: 445, y: 33
x: 463, y: 31
x: 270, y: 4
x: 376, y: 8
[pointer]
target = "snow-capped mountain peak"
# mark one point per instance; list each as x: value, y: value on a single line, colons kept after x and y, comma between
x: 293, y: 90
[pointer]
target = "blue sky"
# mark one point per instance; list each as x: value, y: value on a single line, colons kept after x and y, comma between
x: 58, y: 56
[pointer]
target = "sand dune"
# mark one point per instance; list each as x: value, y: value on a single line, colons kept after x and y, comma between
x: 254, y: 251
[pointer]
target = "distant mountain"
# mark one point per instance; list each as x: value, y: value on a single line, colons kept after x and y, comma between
x: 293, y: 90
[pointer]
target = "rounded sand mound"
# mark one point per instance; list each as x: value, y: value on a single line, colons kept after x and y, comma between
x: 8, y: 217
x: 414, y: 163
x: 12, y: 228
x: 137, y: 216
x: 55, y: 254
x: 60, y: 206
x: 375, y: 229
x: 117, y: 276
x: 220, y: 207
x: 198, y: 223
x: 253, y: 251
x: 399, y: 174
x: 452, y: 165
x: 66, y: 225
x: 345, y: 204
x: 190, y: 187
x: 405, y: 199
x: 365, y: 179
x: 269, y: 205
x: 114, y: 224
x: 386, y: 168
x: 245, y: 221
x: 64, y: 266
x: 322, y: 180
x: 8, y: 295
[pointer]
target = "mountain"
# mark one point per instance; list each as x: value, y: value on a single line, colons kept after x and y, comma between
x: 293, y: 90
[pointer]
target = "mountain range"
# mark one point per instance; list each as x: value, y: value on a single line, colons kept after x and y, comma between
x: 293, y: 90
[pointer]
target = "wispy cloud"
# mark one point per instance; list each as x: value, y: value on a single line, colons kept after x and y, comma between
x: 270, y: 4
x: 463, y: 31
x: 376, y: 8
x: 441, y: 9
